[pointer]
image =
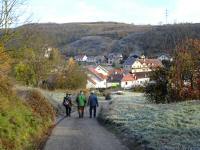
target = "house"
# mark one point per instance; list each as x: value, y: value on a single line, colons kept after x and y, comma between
x: 164, y: 57
x: 142, y: 78
x: 91, y: 84
x: 81, y: 58
x: 128, y: 81
x: 102, y: 70
x: 127, y: 65
x: 133, y: 80
x: 114, y: 58
x: 91, y: 59
x: 146, y: 65
x: 114, y: 78
x: 100, y: 59
x: 97, y: 77
x: 116, y: 71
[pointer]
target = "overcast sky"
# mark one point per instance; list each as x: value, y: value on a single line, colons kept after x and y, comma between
x: 127, y: 11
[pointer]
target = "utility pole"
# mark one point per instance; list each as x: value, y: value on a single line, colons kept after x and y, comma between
x: 166, y: 15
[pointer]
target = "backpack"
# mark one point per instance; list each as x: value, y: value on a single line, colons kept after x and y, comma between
x: 66, y: 101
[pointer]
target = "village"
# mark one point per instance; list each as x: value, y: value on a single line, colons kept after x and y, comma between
x: 113, y: 71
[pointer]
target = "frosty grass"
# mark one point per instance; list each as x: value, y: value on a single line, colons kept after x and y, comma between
x: 163, y: 126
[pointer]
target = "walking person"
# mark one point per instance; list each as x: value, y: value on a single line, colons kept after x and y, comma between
x: 81, y: 103
x: 67, y: 102
x: 93, y: 103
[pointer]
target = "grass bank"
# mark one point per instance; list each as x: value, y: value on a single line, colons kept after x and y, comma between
x: 151, y: 126
x: 23, y: 122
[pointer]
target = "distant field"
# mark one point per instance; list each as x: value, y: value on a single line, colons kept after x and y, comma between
x: 164, y: 126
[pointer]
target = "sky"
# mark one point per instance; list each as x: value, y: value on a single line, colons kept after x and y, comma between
x: 127, y: 11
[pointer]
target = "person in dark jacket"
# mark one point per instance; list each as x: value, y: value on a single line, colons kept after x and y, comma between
x: 93, y: 104
x: 67, y: 102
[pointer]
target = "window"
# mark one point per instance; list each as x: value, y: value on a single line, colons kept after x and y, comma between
x: 126, y: 83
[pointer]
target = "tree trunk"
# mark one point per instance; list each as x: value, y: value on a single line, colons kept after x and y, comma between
x: 191, y: 82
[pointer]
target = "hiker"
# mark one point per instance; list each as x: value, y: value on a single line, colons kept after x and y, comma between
x: 67, y: 102
x: 93, y: 103
x: 81, y: 102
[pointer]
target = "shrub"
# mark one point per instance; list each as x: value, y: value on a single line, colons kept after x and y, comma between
x: 25, y: 74
x: 139, y: 89
x: 107, y: 96
x: 157, y: 91
x: 72, y: 78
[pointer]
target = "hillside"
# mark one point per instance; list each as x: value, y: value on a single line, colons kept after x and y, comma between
x: 103, y: 37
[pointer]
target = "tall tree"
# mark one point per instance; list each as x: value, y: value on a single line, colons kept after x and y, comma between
x: 186, y: 64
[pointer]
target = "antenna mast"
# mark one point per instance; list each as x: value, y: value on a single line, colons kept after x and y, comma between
x: 166, y: 15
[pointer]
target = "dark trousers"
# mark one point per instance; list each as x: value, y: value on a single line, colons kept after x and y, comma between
x: 81, y: 111
x: 93, y: 108
x: 68, y: 111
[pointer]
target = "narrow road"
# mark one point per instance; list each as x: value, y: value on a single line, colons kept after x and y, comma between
x: 82, y: 134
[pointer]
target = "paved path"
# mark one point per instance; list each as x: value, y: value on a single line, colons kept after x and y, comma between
x: 82, y: 134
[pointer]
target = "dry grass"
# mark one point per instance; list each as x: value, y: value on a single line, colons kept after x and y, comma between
x: 40, y: 105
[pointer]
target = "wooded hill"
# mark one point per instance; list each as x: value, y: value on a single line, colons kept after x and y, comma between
x: 104, y: 37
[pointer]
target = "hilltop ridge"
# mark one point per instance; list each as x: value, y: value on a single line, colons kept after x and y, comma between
x: 97, y: 38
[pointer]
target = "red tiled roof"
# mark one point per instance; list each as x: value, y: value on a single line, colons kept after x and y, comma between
x: 140, y: 75
x: 100, y: 75
x: 129, y: 77
x: 154, y: 63
x: 117, y: 71
x: 92, y: 81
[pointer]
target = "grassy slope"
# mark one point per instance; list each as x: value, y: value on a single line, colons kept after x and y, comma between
x: 20, y: 123
x: 165, y: 126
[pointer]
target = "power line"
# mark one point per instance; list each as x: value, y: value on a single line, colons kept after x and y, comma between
x: 166, y: 15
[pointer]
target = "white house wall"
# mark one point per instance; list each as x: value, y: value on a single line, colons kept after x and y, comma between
x: 131, y: 84
x: 127, y: 84
x: 90, y: 85
x: 84, y: 58
x: 138, y: 67
x: 99, y: 83
x: 142, y: 81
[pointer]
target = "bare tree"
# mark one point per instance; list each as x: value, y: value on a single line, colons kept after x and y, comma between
x: 9, y: 12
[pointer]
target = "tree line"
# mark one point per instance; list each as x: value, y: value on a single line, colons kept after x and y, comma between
x: 180, y: 79
x: 25, y: 62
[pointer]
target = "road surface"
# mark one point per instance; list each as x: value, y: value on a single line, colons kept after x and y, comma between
x: 82, y: 134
